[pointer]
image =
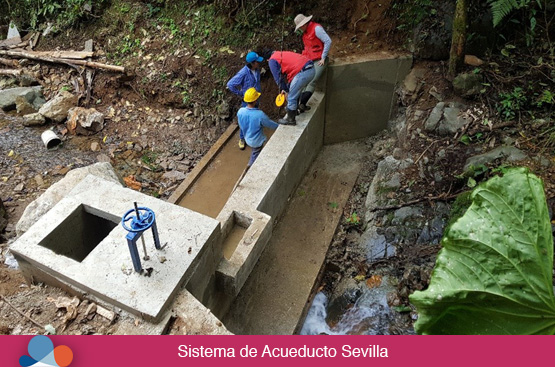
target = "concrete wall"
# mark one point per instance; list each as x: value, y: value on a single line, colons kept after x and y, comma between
x: 359, y: 96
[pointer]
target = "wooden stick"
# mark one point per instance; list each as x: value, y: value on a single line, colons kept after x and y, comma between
x: 10, y: 72
x: 21, y: 313
x: 8, y: 62
x: 50, y: 54
x: 442, y: 197
x: 91, y: 64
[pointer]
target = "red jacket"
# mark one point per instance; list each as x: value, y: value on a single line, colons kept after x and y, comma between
x: 291, y: 63
x: 313, y: 47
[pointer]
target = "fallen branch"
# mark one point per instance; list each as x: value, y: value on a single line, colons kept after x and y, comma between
x: 90, y: 64
x: 442, y: 197
x: 50, y: 54
x: 8, y: 62
x: 10, y: 72
x: 20, y: 312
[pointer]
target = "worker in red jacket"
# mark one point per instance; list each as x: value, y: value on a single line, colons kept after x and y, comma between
x: 317, y: 45
x: 292, y: 73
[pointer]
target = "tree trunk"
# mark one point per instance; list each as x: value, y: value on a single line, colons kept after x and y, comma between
x: 456, y: 55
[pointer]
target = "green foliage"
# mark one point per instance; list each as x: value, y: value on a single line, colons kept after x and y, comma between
x: 494, y: 273
x: 501, y: 8
x: 149, y: 158
x: 511, y: 103
x: 412, y: 12
x: 546, y: 98
x: 353, y: 219
x: 64, y: 13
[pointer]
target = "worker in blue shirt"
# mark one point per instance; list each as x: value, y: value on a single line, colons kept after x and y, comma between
x: 252, y: 122
x: 247, y: 77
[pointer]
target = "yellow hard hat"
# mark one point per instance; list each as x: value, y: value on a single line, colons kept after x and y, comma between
x: 251, y: 95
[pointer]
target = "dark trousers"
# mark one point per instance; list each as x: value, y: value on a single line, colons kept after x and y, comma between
x: 254, y: 154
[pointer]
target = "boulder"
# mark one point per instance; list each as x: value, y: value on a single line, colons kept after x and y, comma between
x: 34, y: 211
x: 467, y: 84
x: 386, y: 179
x: 445, y: 118
x: 23, y: 106
x: 507, y: 154
x: 57, y: 108
x: 452, y: 121
x: 33, y: 119
x: 435, y: 117
x: 84, y: 121
x: 8, y: 96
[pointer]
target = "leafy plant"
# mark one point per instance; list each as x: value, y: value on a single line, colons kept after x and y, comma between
x: 501, y: 8
x: 353, y: 219
x: 511, y: 103
x: 494, y: 273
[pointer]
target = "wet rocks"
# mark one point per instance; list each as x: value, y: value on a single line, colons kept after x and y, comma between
x: 57, y: 108
x: 505, y: 153
x: 83, y: 121
x: 8, y: 96
x: 59, y: 190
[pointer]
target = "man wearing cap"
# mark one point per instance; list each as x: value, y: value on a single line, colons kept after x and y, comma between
x: 247, y: 77
x: 292, y: 73
x: 252, y: 121
x: 317, y: 45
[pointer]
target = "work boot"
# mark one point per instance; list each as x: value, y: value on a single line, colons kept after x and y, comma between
x: 289, y: 119
x: 242, y: 144
x: 305, y: 96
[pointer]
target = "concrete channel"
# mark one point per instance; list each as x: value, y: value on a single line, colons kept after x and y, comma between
x: 248, y: 257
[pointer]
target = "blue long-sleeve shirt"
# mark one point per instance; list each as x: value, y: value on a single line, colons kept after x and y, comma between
x: 243, y: 80
x: 251, y: 122
x: 326, y: 40
x: 279, y: 77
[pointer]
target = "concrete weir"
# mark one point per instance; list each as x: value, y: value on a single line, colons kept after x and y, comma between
x: 208, y: 258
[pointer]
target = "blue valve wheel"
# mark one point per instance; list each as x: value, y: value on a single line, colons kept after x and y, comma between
x: 144, y: 222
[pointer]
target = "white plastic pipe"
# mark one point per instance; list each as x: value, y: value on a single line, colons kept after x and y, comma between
x: 50, y: 139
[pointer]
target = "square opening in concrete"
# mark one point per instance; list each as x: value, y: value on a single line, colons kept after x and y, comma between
x: 79, y: 233
x: 240, y: 225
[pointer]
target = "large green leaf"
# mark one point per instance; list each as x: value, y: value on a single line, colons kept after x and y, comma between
x: 494, y: 273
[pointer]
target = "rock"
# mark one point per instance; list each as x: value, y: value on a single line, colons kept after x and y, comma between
x: 467, y: 84
x: 34, y: 211
x: 473, y: 60
x: 19, y: 188
x: 508, y: 154
x: 3, y: 216
x: 407, y: 212
x: 8, y: 96
x: 376, y: 245
x: 174, y: 176
x: 451, y: 121
x: 23, y: 106
x: 34, y: 119
x: 386, y: 179
x: 110, y: 315
x: 57, y: 108
x: 83, y: 121
x: 95, y: 147
x: 445, y: 118
x: 39, y: 180
x: 103, y: 158
x: 435, y: 117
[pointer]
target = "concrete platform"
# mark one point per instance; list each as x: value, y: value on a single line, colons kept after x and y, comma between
x: 55, y: 247
x: 275, y: 295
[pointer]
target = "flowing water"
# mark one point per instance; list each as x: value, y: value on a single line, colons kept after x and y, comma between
x: 369, y: 315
